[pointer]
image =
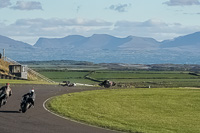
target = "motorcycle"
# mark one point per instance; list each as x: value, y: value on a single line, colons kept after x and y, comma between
x: 107, y: 83
x: 26, y: 104
x: 67, y: 83
x: 2, y: 99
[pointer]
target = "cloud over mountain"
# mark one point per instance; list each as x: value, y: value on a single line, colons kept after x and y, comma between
x: 55, y: 22
x: 27, y: 5
x: 32, y: 29
x: 4, y: 3
x: 182, y: 2
x: 120, y: 7
x: 154, y: 28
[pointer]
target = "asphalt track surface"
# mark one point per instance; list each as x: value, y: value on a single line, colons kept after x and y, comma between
x: 37, y: 119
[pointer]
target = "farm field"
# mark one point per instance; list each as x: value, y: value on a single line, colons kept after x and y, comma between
x: 72, y: 76
x: 125, y: 75
x: 146, y: 110
x: 136, y: 79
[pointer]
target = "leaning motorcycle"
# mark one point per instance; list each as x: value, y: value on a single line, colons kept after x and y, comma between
x: 2, y: 99
x: 25, y: 104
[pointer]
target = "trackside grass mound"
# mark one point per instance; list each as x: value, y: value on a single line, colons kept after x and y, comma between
x: 146, y: 110
x: 3, y: 81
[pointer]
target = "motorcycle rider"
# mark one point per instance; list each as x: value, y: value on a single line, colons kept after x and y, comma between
x: 31, y: 96
x: 6, y: 90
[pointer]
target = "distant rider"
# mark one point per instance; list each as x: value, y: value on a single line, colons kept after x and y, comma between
x: 6, y: 90
x: 31, y: 96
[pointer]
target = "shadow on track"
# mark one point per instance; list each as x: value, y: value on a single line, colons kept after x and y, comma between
x: 9, y: 112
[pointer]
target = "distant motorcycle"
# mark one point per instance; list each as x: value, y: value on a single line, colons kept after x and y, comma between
x: 67, y: 83
x: 2, y: 99
x: 25, y: 104
x: 107, y: 83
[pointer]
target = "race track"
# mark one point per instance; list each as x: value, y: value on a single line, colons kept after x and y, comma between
x: 37, y: 119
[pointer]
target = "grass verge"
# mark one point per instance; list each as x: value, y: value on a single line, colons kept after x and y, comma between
x: 163, y: 110
x: 3, y: 81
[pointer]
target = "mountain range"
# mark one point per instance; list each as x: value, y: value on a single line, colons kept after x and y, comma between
x: 100, y: 48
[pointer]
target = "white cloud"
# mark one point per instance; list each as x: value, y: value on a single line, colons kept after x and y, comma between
x: 120, y: 7
x: 61, y: 22
x: 182, y: 2
x: 4, y: 3
x: 27, y: 5
x: 149, y: 23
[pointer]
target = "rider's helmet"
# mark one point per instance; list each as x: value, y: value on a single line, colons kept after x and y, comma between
x: 32, y: 91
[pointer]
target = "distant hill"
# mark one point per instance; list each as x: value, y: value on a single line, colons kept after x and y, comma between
x: 8, y: 43
x: 100, y: 41
x: 69, y: 41
x: 104, y: 41
x: 16, y: 49
x: 187, y: 42
x: 100, y: 48
x: 140, y: 43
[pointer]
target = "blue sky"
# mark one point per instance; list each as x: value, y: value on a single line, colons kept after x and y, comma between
x: 28, y: 20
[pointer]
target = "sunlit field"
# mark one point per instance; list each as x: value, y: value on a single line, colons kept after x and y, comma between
x: 158, y: 110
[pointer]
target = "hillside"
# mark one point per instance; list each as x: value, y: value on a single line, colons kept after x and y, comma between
x: 8, y: 43
x: 100, y: 41
x: 140, y: 43
x: 4, y: 69
x: 69, y: 41
x: 103, y: 48
x: 189, y: 42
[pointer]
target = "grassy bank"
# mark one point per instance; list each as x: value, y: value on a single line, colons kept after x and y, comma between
x: 171, y: 110
x: 4, y: 67
x: 3, y: 81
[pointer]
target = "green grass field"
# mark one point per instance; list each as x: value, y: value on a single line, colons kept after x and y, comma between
x: 136, y: 79
x: 72, y: 76
x: 154, y: 110
x: 142, y: 75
